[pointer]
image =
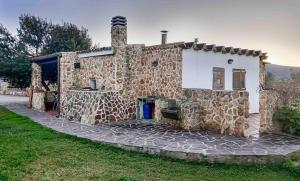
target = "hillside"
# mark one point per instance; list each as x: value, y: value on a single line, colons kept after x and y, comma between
x: 281, y: 72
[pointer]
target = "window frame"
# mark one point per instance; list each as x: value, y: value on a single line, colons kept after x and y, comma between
x: 218, y: 70
x: 240, y: 86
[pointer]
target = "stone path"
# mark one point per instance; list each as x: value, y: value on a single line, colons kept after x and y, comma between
x: 200, y: 146
x: 254, y: 123
x: 5, y: 99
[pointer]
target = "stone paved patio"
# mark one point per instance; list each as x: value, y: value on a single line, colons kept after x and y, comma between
x: 154, y: 139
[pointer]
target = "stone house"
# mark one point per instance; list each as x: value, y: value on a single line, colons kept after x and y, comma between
x: 190, y: 85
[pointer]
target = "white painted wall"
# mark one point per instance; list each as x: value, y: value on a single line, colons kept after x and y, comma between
x: 198, y: 72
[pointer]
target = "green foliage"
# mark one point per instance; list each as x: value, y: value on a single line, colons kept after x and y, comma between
x: 67, y: 37
x: 295, y: 76
x: 270, y: 79
x: 293, y: 163
x: 17, y: 70
x: 33, y: 31
x: 36, y: 34
x: 7, y: 44
x: 290, y: 117
x: 14, y: 64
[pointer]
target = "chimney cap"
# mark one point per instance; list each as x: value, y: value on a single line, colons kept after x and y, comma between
x: 118, y: 17
x: 164, y: 31
x: 119, y: 20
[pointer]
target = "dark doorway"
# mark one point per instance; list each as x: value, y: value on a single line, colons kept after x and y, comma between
x: 51, y: 84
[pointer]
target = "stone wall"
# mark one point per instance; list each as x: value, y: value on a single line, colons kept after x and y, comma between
x: 133, y: 71
x: 159, y: 72
x: 13, y: 91
x: 270, y: 101
x: 153, y: 71
x: 160, y: 119
x: 93, y: 107
x: 223, y: 112
x: 100, y: 68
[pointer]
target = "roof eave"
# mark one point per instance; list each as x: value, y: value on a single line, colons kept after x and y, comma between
x: 224, y: 49
x: 45, y: 57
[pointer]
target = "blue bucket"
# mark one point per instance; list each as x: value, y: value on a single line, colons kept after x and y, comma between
x: 147, y: 111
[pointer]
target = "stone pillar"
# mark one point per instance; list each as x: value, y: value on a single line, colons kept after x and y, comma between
x: 67, y: 74
x: 38, y: 96
x: 36, y: 76
x: 262, y: 96
x: 262, y: 73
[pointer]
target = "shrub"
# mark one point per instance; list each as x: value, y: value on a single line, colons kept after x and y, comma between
x: 293, y: 164
x: 289, y: 116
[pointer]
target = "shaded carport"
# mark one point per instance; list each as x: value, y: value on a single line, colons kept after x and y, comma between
x: 49, y: 67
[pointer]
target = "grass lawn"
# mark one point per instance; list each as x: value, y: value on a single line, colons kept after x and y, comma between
x: 30, y: 152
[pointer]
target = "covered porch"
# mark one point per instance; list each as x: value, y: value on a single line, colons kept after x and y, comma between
x: 45, y: 88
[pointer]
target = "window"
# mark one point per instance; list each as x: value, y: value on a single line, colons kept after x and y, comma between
x: 218, y: 78
x: 239, y: 79
x: 93, y: 84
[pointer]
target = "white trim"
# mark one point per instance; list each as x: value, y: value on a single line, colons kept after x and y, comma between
x: 96, y: 53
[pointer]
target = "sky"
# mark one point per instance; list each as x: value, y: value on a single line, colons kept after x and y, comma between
x: 272, y: 26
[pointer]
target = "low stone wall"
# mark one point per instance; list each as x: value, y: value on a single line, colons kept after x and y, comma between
x: 270, y: 101
x: 160, y: 119
x: 223, y: 112
x: 14, y: 92
x: 38, y: 101
x: 93, y: 107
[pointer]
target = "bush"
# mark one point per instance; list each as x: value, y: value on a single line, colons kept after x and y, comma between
x: 293, y: 164
x: 289, y: 116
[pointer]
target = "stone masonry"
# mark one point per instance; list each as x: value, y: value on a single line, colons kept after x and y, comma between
x: 38, y: 101
x: 38, y: 96
x: 159, y: 71
x: 94, y: 107
x: 270, y: 101
x: 224, y: 112
x: 67, y: 77
x: 36, y: 76
x: 101, y: 69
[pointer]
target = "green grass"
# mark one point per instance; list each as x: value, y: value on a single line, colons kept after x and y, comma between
x: 30, y: 152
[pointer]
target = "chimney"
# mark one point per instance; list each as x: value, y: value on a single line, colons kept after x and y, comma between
x: 164, y: 37
x: 118, y: 32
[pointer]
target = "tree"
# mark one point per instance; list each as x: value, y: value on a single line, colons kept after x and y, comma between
x: 17, y: 70
x: 33, y: 32
x: 14, y: 63
x: 35, y: 35
x: 270, y: 79
x: 295, y: 76
x: 7, y: 43
x: 67, y: 37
